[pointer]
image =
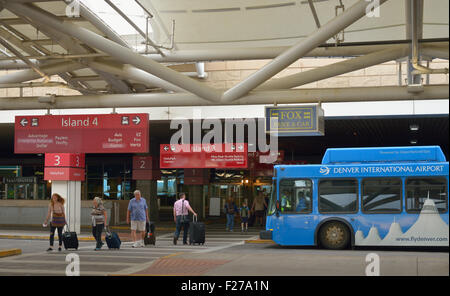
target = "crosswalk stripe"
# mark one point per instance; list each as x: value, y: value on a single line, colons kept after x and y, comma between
x: 216, y: 239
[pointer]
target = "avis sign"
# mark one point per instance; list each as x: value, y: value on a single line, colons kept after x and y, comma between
x: 93, y: 133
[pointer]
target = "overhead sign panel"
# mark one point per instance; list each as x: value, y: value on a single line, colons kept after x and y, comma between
x: 64, y: 166
x: 93, y: 133
x: 291, y: 121
x: 225, y: 156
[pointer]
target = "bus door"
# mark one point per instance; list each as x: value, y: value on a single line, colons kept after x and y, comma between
x: 295, y: 206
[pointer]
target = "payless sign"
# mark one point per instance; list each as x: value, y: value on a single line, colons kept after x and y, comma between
x: 295, y: 121
x: 93, y: 133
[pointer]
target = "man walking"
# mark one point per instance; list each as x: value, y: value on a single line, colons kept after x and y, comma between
x: 181, y: 217
x: 138, y: 215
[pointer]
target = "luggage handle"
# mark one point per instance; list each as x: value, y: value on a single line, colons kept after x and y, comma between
x: 108, y: 231
x: 66, y: 227
x: 194, y: 218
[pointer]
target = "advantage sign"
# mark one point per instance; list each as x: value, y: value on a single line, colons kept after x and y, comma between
x: 224, y: 156
x: 93, y: 133
x: 291, y: 121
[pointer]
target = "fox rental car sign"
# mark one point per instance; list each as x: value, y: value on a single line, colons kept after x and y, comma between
x: 291, y: 121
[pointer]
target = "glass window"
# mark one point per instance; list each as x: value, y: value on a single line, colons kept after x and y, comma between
x: 295, y: 196
x: 419, y: 189
x: 382, y: 195
x: 338, y: 196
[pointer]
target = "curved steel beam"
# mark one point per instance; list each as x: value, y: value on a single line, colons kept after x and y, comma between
x: 356, y: 94
x: 297, y: 51
x: 122, y: 54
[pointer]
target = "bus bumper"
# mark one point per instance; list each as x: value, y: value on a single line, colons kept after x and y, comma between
x: 265, y: 234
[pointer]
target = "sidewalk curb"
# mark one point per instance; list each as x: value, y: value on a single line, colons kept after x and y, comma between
x: 259, y: 241
x: 41, y: 237
x: 10, y: 252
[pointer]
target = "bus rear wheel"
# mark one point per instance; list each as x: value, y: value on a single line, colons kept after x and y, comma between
x: 334, y: 235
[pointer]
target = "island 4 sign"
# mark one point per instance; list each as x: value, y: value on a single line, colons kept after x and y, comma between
x: 289, y: 121
x: 93, y: 133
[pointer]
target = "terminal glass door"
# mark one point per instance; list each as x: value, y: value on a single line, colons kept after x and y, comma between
x: 225, y: 191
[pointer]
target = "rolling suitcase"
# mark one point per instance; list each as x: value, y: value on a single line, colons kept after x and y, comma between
x: 112, y: 239
x: 196, y: 232
x: 70, y: 239
x: 150, y: 238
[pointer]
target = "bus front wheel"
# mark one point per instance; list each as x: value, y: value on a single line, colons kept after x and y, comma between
x: 334, y: 235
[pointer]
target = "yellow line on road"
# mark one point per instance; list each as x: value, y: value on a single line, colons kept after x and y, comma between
x: 10, y: 252
x: 259, y: 241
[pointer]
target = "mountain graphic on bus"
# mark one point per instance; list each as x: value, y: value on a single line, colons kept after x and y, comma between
x: 428, y: 230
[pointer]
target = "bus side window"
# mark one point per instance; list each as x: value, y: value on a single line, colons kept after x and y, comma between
x: 302, y: 204
x: 286, y: 200
x: 420, y: 189
x: 295, y: 196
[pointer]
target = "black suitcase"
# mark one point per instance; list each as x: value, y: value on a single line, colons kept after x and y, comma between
x: 196, y: 232
x: 149, y: 238
x: 70, y: 240
x: 112, y: 240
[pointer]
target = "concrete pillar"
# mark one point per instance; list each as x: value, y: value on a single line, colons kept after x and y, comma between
x: 71, y: 192
x: 195, y: 195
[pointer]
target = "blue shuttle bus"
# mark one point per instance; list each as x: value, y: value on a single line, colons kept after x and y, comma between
x: 391, y: 196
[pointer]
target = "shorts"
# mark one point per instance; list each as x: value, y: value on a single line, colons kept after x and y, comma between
x: 244, y: 219
x: 138, y: 225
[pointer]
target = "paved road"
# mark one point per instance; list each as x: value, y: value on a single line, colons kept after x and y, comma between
x: 224, y: 254
x: 36, y: 261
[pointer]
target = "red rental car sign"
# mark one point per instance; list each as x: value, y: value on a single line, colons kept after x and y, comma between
x: 231, y: 156
x: 92, y: 133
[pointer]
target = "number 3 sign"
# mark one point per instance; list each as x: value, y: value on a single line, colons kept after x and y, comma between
x: 64, y: 166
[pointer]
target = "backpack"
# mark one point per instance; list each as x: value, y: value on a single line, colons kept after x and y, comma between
x: 244, y: 212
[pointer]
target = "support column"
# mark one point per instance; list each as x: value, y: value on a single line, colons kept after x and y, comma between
x: 195, y: 195
x: 71, y: 192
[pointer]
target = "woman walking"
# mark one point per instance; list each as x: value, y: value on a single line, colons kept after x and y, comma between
x: 99, y: 221
x: 58, y: 216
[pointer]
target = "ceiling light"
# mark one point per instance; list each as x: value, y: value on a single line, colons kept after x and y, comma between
x: 414, y: 127
x: 413, y: 141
